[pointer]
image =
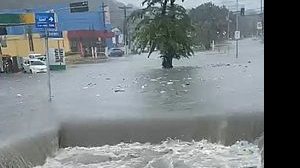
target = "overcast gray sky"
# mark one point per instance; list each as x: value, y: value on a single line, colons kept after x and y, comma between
x: 249, y: 4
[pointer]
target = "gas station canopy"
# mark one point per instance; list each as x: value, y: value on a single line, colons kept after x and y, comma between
x: 17, y: 19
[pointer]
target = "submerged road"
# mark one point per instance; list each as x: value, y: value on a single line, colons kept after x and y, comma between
x: 134, y: 88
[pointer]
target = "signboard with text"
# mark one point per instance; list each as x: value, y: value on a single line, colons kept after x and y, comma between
x: 79, y: 7
x: 12, y: 19
x: 44, y: 20
x: 237, y: 35
x: 52, y: 34
x: 259, y: 25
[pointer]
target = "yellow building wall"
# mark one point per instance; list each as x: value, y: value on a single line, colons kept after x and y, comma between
x: 18, y: 45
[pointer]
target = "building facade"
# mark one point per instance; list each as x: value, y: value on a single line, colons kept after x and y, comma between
x: 82, y: 31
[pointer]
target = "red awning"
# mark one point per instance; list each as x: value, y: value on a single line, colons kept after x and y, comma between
x: 76, y: 34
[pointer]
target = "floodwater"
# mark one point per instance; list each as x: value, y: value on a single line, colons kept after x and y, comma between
x: 211, y: 96
x: 168, y: 154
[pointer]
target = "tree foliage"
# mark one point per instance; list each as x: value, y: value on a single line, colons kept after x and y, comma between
x: 210, y: 23
x: 166, y: 27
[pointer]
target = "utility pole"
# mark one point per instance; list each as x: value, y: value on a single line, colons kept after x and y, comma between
x: 48, y: 64
x: 261, y: 15
x: 124, y: 26
x: 29, y: 33
x: 229, y: 6
x: 103, y: 43
x: 261, y: 2
x: 0, y: 53
x: 228, y: 22
x: 237, y: 28
x: 103, y: 14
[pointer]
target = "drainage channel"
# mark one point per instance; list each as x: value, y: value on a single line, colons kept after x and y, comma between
x: 225, y: 130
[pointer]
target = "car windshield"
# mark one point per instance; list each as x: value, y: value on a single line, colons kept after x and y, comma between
x: 41, y: 58
x: 37, y: 63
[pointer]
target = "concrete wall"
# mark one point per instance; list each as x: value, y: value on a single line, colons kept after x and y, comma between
x: 30, y: 151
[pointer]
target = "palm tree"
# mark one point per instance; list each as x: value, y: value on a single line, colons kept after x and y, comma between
x: 166, y: 28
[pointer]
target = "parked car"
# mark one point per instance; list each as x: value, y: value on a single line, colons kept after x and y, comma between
x: 115, y: 52
x: 34, y: 66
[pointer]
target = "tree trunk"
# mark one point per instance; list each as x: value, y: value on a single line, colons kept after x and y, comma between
x: 164, y: 7
x: 167, y: 62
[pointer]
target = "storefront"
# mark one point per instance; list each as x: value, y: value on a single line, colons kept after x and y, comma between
x: 86, y: 42
x: 9, y: 64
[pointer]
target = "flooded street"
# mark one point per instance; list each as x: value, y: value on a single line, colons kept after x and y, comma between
x: 169, y: 154
x: 211, y: 96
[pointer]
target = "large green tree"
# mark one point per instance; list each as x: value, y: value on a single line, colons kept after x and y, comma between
x: 211, y: 23
x: 165, y: 26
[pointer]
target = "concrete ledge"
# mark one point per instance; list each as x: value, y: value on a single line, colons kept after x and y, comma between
x: 221, y: 129
x: 30, y: 151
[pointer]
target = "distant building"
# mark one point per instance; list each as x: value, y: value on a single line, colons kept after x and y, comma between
x: 85, y: 23
x: 117, y: 39
x: 82, y: 32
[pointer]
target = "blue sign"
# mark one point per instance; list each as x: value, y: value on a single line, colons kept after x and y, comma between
x: 53, y: 34
x: 44, y: 20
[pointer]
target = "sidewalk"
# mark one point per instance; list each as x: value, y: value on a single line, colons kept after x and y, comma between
x: 77, y: 59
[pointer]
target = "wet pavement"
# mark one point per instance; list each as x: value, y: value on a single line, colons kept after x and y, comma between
x: 134, y: 87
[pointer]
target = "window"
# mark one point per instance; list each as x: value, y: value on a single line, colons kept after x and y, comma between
x: 36, y: 63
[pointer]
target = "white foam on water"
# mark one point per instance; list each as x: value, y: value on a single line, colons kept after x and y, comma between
x: 168, y: 154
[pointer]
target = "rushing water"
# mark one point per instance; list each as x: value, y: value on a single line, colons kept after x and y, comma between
x: 168, y: 154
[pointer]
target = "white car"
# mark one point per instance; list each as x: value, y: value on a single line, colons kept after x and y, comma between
x: 34, y: 66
